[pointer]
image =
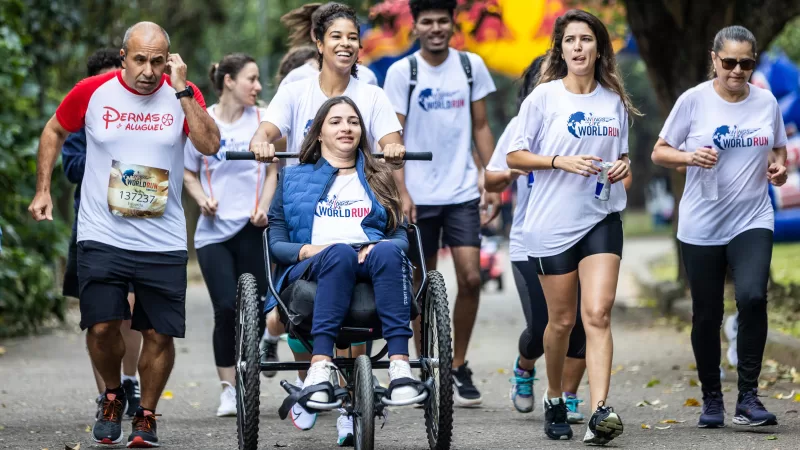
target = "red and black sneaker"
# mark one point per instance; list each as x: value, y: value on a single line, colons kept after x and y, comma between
x: 144, y: 430
x: 108, y: 427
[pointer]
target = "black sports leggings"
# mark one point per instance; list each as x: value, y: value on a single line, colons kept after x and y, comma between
x: 222, y: 264
x: 749, y: 255
x: 531, y: 344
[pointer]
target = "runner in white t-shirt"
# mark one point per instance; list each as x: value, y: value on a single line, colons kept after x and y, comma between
x: 291, y: 113
x: 499, y: 177
x: 233, y: 206
x: 443, y: 110
x: 575, y: 119
x: 131, y: 227
x: 730, y: 128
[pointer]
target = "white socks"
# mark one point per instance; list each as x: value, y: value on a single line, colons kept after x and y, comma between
x: 128, y: 377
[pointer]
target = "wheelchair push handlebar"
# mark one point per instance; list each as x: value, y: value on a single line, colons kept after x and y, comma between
x: 250, y: 156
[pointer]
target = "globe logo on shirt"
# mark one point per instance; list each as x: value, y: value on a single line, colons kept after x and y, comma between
x: 430, y: 100
x: 581, y: 124
x: 726, y: 137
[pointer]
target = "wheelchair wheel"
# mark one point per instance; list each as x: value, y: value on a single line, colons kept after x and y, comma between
x: 247, y: 363
x: 437, y: 344
x: 363, y: 405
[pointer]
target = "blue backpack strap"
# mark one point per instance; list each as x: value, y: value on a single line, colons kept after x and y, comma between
x: 414, y: 69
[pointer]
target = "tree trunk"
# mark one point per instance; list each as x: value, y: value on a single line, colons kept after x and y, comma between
x: 674, y: 39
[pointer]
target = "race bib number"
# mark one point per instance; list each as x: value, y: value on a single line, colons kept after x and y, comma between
x: 137, y: 191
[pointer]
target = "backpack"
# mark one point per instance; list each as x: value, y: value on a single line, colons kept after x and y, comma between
x: 412, y: 60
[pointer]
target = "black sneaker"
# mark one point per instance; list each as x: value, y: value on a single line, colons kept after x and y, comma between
x: 464, y: 390
x: 604, y: 426
x: 713, y: 415
x: 144, y: 430
x: 269, y: 353
x: 134, y: 396
x: 107, y: 428
x: 555, y: 418
x: 751, y: 412
x: 99, y: 402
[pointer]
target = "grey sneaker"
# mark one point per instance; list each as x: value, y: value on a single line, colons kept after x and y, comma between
x: 108, y: 427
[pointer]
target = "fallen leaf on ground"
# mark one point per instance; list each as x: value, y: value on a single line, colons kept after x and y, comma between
x: 653, y: 382
x: 797, y: 398
x: 691, y: 402
x: 663, y: 428
x: 726, y: 389
x: 502, y: 371
x: 645, y: 426
x: 672, y: 421
x: 692, y: 366
x: 88, y: 429
x: 772, y: 438
x: 782, y: 396
x: 167, y: 395
x: 693, y: 383
x: 72, y: 447
x: 2, y: 350
x: 617, y: 370
x: 2, y: 428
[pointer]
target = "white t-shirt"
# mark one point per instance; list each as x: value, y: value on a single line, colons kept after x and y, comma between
x: 234, y: 184
x: 338, y: 216
x: 439, y: 121
x: 295, y: 105
x: 131, y: 189
x: 310, y: 70
x: 498, y: 163
x: 743, y: 133
x: 553, y: 121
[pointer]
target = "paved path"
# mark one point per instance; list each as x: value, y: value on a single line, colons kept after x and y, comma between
x: 46, y: 389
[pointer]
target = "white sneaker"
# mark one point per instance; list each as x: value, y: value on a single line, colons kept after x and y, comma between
x: 302, y: 419
x: 344, y: 425
x: 227, y: 401
x: 401, y: 369
x: 318, y: 373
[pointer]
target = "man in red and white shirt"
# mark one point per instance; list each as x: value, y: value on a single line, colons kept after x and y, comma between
x: 131, y: 226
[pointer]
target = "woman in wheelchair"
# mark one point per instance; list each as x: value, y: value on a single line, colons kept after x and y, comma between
x: 337, y: 219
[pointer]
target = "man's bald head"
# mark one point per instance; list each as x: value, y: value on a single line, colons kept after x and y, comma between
x: 145, y: 31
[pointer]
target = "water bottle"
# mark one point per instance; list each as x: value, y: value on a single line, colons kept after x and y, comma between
x: 708, y: 182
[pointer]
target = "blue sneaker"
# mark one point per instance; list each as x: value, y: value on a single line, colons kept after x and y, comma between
x: 522, y: 388
x: 572, y: 401
x: 751, y: 412
x: 713, y: 415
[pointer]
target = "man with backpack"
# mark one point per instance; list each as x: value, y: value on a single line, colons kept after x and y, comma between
x: 439, y: 96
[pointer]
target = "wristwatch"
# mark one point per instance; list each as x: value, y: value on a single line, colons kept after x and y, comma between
x: 188, y: 92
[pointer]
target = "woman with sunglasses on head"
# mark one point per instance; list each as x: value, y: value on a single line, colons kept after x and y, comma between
x: 303, y: 23
x: 730, y: 129
x: 234, y: 197
x: 572, y: 126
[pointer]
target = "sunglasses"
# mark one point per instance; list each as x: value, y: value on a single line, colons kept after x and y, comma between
x: 731, y: 63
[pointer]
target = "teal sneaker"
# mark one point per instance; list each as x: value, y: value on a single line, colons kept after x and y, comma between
x: 522, y: 388
x: 572, y: 401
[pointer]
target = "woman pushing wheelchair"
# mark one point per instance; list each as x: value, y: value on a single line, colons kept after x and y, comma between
x: 337, y: 219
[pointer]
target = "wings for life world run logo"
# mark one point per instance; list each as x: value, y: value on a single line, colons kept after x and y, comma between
x: 581, y: 124
x: 131, y: 178
x: 726, y: 137
x: 331, y: 206
x: 430, y: 99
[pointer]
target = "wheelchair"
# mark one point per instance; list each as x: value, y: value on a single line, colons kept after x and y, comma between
x: 363, y: 397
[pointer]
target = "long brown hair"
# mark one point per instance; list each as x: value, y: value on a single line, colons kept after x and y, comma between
x: 379, y: 175
x: 300, y: 21
x: 605, y: 72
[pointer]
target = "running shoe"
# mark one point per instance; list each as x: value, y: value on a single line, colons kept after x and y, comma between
x: 464, y: 391
x: 144, y: 430
x: 522, y: 388
x: 108, y: 428
x: 227, y: 401
x: 604, y: 426
x: 134, y: 396
x: 318, y: 373
x: 573, y: 402
x: 555, y: 418
x: 344, y: 425
x: 751, y: 412
x: 269, y: 353
x: 302, y: 419
x: 713, y: 415
x: 99, y: 412
x: 397, y: 370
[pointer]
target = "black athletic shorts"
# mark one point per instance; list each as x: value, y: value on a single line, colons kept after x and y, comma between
x: 456, y: 225
x: 71, y: 287
x: 605, y: 237
x: 158, y: 278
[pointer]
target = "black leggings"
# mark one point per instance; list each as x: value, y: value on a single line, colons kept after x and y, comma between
x: 531, y: 344
x: 222, y: 264
x: 749, y: 255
